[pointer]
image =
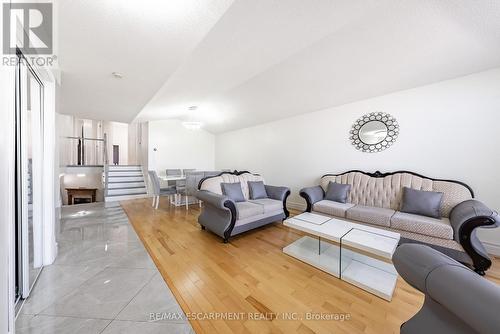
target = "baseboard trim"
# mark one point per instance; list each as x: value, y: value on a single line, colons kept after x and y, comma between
x: 295, y: 206
x: 492, y: 249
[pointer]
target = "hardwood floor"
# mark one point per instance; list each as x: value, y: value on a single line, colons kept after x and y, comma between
x: 252, y: 279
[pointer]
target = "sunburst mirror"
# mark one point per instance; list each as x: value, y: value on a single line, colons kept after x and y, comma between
x: 374, y: 132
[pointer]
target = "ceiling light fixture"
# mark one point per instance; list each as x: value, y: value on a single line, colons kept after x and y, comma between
x: 117, y: 75
x: 192, y: 124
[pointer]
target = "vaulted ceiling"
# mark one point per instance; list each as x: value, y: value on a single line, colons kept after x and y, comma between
x: 253, y: 61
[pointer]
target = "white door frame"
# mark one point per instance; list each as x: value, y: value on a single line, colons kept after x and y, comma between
x: 37, y: 204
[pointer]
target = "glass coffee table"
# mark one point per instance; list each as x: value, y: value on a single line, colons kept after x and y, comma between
x: 355, y: 253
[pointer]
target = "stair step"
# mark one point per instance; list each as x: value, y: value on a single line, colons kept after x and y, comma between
x: 121, y: 185
x: 125, y: 173
x: 125, y: 182
x: 126, y: 191
x: 124, y: 167
x: 112, y: 178
x: 124, y: 197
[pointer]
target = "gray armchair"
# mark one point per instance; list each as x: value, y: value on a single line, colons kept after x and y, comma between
x: 457, y: 301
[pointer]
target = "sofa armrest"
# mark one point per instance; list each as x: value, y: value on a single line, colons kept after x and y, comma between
x: 415, y: 262
x: 280, y: 194
x: 465, y: 218
x: 312, y: 195
x: 218, y: 213
x: 450, y: 289
x: 213, y: 199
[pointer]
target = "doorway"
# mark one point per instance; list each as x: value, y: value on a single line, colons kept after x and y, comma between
x: 116, y: 154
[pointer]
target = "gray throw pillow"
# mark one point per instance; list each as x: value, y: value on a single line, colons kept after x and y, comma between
x: 337, y: 192
x: 424, y: 203
x: 257, y: 189
x: 233, y: 191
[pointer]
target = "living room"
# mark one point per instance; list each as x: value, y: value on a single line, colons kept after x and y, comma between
x: 251, y: 167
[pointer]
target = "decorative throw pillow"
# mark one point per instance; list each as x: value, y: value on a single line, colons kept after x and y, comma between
x: 233, y: 191
x: 257, y: 189
x: 424, y: 203
x: 337, y: 192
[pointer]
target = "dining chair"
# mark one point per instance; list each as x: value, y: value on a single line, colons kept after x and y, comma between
x: 157, y: 190
x: 181, y: 184
x: 174, y: 172
x: 193, y: 178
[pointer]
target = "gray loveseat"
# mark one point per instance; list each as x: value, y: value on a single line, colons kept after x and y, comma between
x: 457, y: 301
x: 225, y: 217
x: 375, y: 199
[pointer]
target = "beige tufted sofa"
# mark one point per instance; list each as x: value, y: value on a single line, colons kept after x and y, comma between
x: 227, y: 218
x: 375, y: 198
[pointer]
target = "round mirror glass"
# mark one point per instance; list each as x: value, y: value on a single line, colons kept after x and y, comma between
x: 373, y: 132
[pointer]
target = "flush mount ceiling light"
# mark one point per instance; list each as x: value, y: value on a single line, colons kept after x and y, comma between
x: 192, y: 124
x: 117, y: 75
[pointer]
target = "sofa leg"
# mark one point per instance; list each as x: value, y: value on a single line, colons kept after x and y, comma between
x: 203, y: 227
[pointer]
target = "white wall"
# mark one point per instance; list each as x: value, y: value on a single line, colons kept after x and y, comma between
x: 447, y: 130
x: 143, y: 154
x: 177, y: 147
x: 66, y: 148
x: 133, y: 143
x: 117, y: 135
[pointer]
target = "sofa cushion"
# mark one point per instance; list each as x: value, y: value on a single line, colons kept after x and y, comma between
x: 439, y: 228
x: 337, y: 192
x: 424, y: 203
x: 371, y: 215
x: 247, y: 209
x: 269, y: 205
x: 233, y: 191
x: 257, y: 190
x: 332, y: 208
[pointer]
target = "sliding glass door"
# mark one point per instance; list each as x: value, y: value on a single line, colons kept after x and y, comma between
x: 29, y: 155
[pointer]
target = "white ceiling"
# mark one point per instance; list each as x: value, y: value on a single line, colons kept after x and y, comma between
x: 255, y: 61
x: 146, y: 40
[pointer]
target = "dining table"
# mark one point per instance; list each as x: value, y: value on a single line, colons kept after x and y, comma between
x: 177, y: 200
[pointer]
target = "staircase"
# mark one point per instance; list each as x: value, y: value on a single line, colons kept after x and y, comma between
x: 124, y: 182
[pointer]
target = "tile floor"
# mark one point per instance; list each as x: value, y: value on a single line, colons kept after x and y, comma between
x: 103, y: 281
